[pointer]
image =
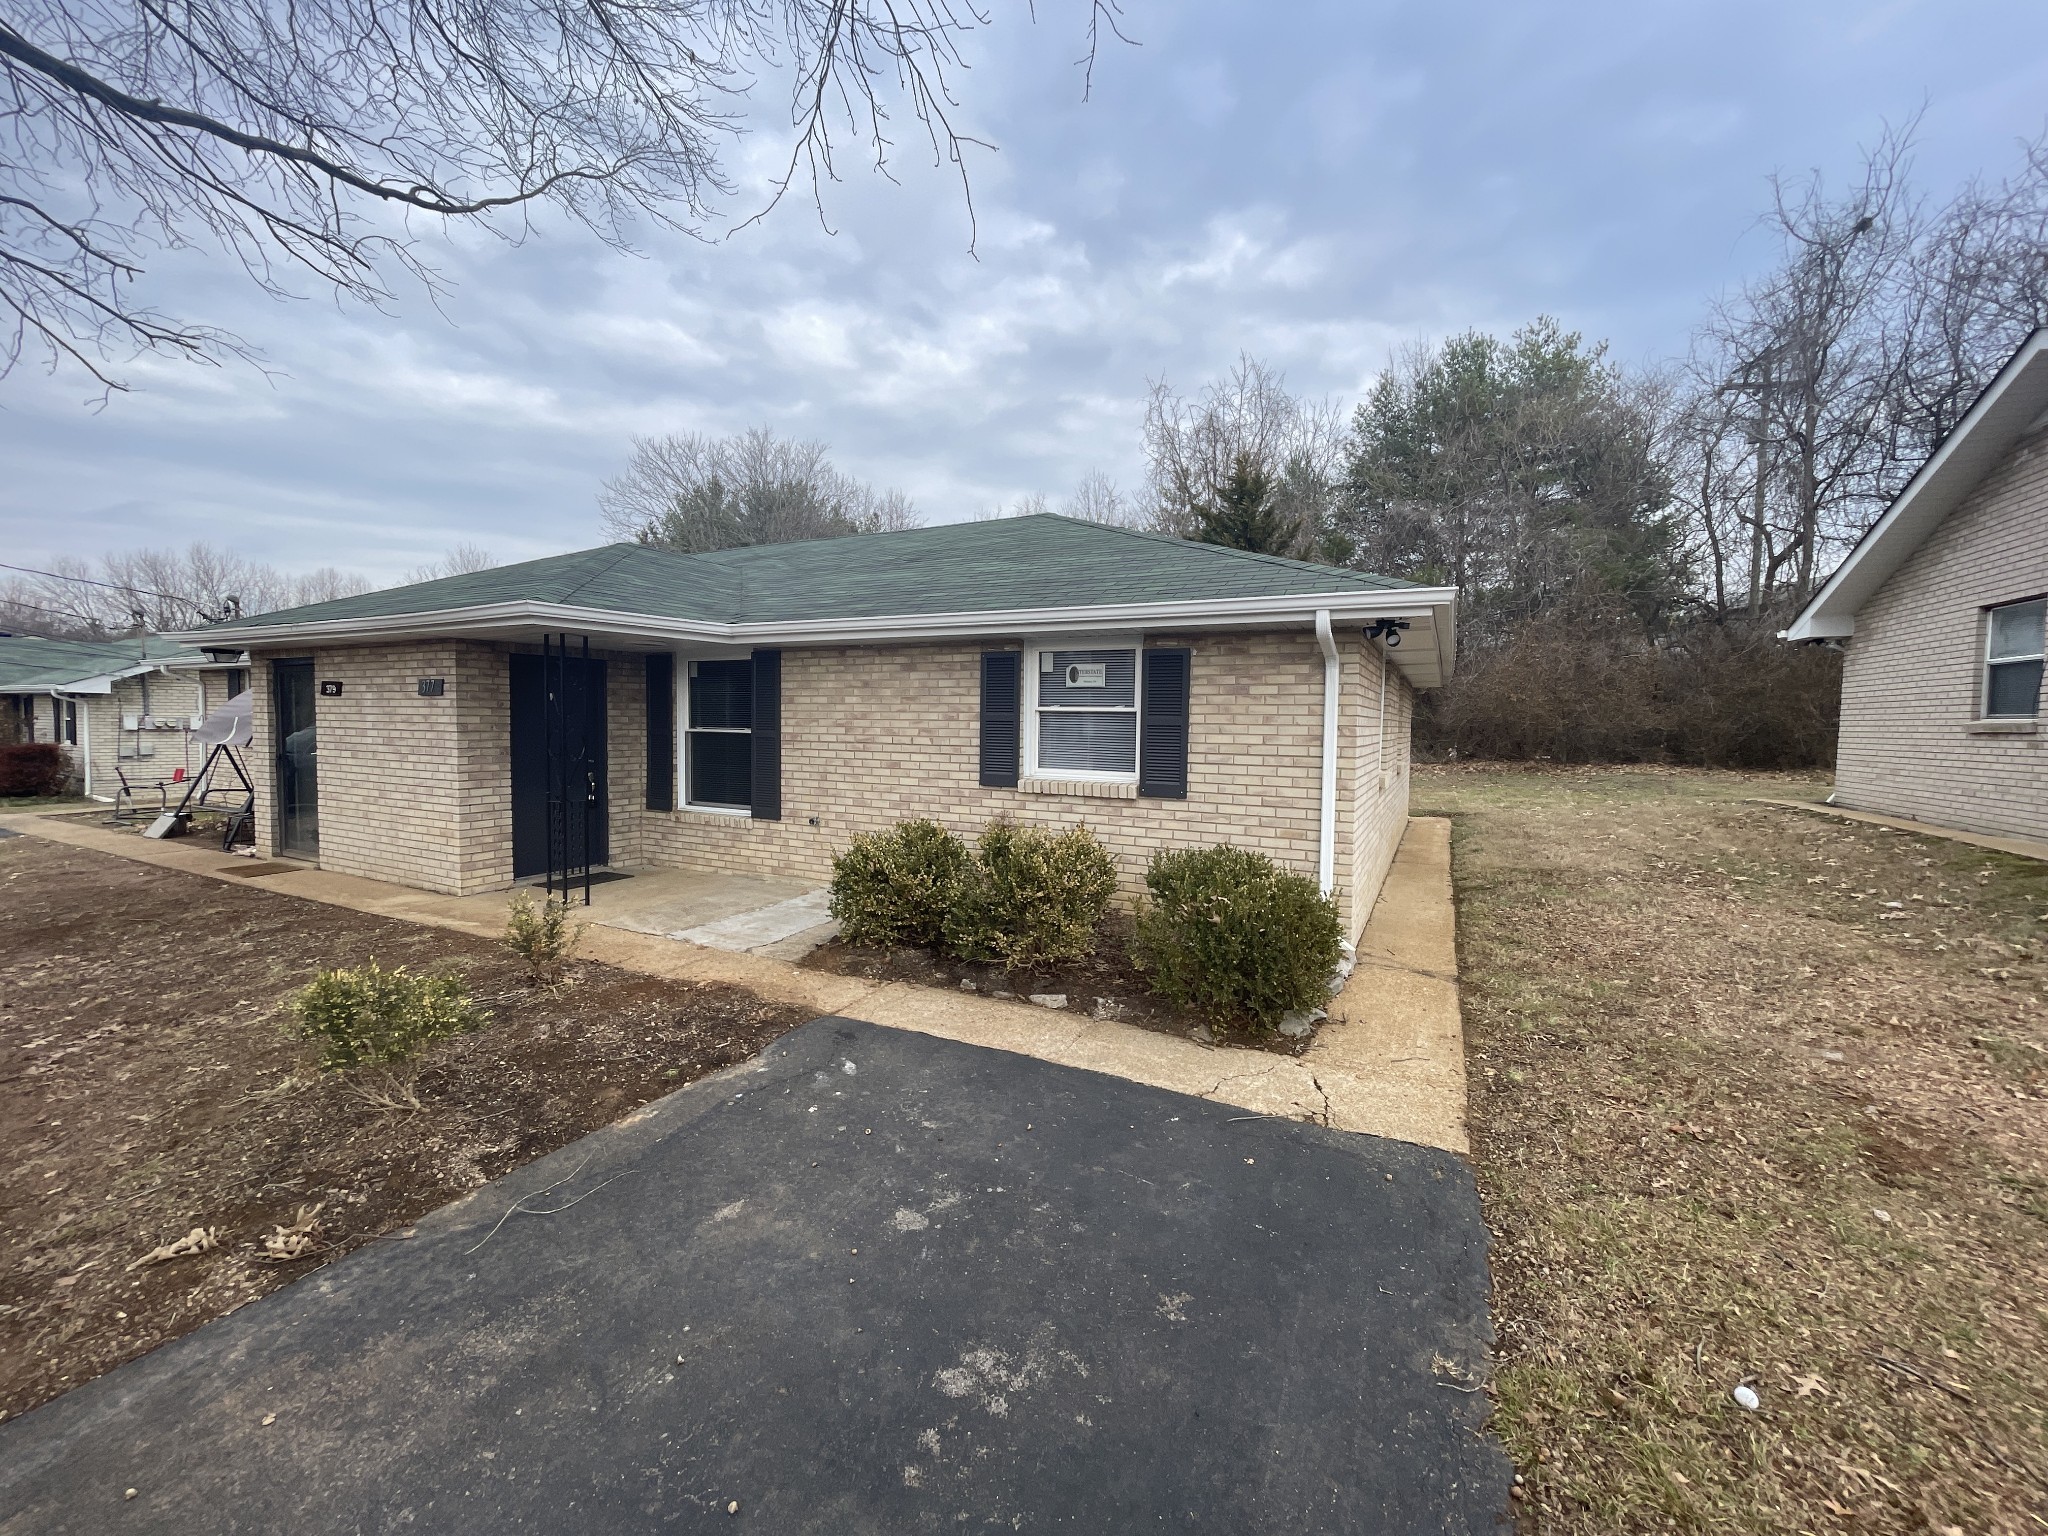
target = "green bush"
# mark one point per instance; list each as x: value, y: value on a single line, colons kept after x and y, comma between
x: 1230, y: 933
x: 894, y: 887
x: 1030, y: 897
x: 542, y: 936
x: 371, y: 1016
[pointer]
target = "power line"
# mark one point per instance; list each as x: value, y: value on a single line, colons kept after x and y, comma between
x: 111, y: 586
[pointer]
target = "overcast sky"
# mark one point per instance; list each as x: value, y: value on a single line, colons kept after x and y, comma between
x: 1313, y: 183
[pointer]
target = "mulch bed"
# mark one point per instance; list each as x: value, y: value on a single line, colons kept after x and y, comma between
x: 1105, y: 985
x: 148, y: 1086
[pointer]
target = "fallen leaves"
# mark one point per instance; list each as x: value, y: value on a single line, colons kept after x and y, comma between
x: 198, y: 1240
x: 297, y: 1240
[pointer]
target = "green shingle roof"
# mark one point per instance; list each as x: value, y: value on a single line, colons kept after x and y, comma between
x: 1042, y: 561
x: 30, y: 662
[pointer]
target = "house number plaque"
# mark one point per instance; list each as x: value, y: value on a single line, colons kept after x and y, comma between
x: 330, y: 690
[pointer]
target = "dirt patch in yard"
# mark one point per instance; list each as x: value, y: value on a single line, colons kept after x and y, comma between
x: 148, y: 1087
x: 1104, y: 985
x: 1758, y: 1100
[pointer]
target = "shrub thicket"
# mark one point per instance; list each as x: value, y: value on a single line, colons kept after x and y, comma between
x: 542, y: 936
x: 1030, y: 897
x: 34, y: 768
x: 895, y: 887
x: 1228, y: 932
x: 371, y: 1016
x: 1584, y: 684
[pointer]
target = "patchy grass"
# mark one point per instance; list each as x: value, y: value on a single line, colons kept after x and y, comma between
x: 1757, y: 1099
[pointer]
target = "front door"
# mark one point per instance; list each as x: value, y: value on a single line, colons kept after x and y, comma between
x: 558, y: 764
x: 298, y: 773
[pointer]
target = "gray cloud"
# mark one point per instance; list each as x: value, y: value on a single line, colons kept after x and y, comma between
x: 1315, y: 184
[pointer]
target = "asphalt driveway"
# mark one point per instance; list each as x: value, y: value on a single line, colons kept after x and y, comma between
x: 871, y: 1282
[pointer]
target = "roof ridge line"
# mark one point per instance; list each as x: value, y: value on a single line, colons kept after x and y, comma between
x: 1244, y: 554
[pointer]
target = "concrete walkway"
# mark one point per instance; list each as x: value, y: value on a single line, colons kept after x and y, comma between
x: 2024, y: 847
x: 1389, y: 1062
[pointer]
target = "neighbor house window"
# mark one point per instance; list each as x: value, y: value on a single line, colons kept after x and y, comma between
x: 1083, y: 717
x: 67, y: 720
x: 718, y: 735
x: 2012, y: 667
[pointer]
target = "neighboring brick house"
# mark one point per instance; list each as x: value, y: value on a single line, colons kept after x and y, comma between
x: 115, y: 706
x: 749, y: 711
x: 1940, y: 610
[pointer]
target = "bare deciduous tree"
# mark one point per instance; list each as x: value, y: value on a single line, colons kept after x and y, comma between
x: 1097, y: 499
x: 147, y: 591
x: 1819, y: 387
x: 696, y: 493
x: 1194, y: 447
x: 313, y: 138
x: 460, y: 560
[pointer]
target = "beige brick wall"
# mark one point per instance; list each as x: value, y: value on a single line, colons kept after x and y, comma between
x: 412, y: 790
x: 417, y: 790
x: 1912, y: 684
x: 880, y: 734
x: 1379, y: 751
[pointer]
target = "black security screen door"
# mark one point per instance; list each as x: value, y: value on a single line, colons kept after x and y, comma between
x: 298, y: 775
x: 559, y: 826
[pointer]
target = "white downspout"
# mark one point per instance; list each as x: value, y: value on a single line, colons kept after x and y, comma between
x: 1327, y: 860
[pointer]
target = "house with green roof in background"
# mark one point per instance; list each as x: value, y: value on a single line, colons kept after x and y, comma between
x: 117, y: 707
x: 750, y: 710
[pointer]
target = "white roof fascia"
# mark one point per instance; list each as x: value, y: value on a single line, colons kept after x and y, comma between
x: 2011, y: 406
x: 1412, y: 603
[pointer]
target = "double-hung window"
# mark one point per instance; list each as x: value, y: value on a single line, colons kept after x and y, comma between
x: 2012, y: 660
x: 718, y: 735
x: 1083, y: 716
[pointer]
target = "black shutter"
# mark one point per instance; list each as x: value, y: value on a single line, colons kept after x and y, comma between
x: 1163, y: 724
x: 1002, y: 717
x: 661, y: 731
x: 767, y: 735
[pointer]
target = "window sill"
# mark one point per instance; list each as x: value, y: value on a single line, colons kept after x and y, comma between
x: 1087, y: 789
x: 2000, y: 728
x: 717, y: 810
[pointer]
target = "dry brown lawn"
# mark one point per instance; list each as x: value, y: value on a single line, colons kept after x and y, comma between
x: 1758, y: 1098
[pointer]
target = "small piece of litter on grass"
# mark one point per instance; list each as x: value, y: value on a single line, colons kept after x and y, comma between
x: 1745, y: 1397
x: 1247, y: 1162
x: 1884, y: 1217
x: 269, y: 1418
x: 733, y: 1508
x: 129, y: 1494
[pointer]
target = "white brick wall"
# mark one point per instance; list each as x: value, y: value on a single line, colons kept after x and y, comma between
x: 1913, y: 677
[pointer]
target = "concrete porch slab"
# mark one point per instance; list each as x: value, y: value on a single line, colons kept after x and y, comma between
x: 744, y: 914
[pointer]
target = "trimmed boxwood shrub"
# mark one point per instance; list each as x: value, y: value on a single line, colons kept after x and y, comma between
x: 1030, y: 897
x: 34, y: 768
x: 371, y: 1016
x: 1230, y: 933
x: 895, y: 887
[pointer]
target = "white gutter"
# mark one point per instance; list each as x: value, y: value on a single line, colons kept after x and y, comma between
x: 1402, y: 602
x: 1327, y: 851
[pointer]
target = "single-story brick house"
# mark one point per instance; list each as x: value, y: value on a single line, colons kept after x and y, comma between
x: 1940, y: 610
x: 748, y: 711
x: 115, y: 706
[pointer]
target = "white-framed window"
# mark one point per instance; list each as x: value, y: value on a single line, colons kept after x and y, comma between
x: 2013, y: 651
x: 718, y: 735
x: 1081, y: 710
